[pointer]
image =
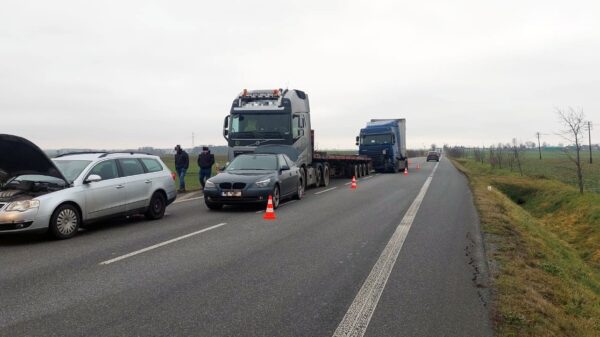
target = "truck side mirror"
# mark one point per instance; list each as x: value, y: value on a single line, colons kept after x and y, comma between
x: 225, y: 125
x: 357, y: 140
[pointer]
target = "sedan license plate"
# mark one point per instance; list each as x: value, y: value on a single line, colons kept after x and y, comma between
x: 232, y: 193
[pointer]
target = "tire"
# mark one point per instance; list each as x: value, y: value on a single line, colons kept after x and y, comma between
x: 213, y: 205
x: 299, y: 190
x: 65, y: 222
x: 318, y: 175
x: 303, y: 174
x: 325, y: 180
x: 157, y: 207
x: 276, y: 194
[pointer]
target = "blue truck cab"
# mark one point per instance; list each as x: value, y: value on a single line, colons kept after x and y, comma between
x: 384, y: 141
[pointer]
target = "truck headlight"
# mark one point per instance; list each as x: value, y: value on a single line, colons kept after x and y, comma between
x: 384, y: 151
x: 22, y: 206
x: 263, y: 183
x: 209, y: 184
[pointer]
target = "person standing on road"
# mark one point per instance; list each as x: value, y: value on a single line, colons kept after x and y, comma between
x: 182, y: 162
x: 206, y: 160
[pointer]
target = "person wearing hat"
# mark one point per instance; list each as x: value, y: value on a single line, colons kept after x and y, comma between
x: 206, y: 160
x: 182, y: 162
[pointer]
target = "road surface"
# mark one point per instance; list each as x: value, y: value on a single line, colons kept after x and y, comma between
x: 399, y: 256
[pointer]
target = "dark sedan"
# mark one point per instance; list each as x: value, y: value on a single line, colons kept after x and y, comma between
x: 433, y: 155
x: 251, y: 178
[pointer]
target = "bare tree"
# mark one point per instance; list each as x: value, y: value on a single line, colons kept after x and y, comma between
x: 516, y: 152
x: 573, y: 122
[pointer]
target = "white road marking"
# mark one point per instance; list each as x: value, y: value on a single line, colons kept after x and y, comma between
x: 357, y: 319
x: 122, y: 257
x: 367, y: 177
x: 327, y: 190
x: 347, y: 183
x: 190, y: 199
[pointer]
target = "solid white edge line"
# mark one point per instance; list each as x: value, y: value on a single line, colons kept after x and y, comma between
x: 358, y: 316
x: 190, y: 199
x: 327, y: 190
x: 122, y: 257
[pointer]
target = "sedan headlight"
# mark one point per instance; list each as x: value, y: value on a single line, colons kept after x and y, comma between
x: 263, y: 183
x: 22, y: 206
x: 209, y: 184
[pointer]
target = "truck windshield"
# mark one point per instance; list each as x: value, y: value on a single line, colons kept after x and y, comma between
x: 376, y: 139
x: 260, y: 126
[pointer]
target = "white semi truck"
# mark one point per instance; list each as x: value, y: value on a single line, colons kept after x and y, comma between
x: 279, y: 121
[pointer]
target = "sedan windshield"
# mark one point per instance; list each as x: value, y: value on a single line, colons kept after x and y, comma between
x: 71, y: 169
x: 253, y: 162
x: 377, y: 139
x: 260, y: 126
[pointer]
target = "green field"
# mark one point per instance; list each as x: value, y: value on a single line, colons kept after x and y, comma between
x: 192, y: 179
x: 553, y: 165
x: 542, y: 240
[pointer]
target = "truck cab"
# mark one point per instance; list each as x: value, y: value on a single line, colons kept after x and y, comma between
x: 268, y: 118
x: 384, y: 142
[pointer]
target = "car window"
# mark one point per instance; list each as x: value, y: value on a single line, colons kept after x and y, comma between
x: 71, y: 169
x: 131, y: 167
x: 152, y: 165
x: 282, y: 161
x: 253, y: 162
x: 106, y: 170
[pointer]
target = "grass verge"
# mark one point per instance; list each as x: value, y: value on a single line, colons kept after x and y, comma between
x: 540, y: 239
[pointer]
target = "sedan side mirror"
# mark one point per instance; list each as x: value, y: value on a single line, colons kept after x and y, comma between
x: 92, y: 178
x: 284, y: 168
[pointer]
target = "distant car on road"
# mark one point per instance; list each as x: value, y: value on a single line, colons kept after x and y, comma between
x: 63, y: 193
x: 251, y: 178
x: 433, y: 155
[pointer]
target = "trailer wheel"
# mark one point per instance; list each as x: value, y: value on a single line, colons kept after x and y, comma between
x: 318, y: 175
x: 325, y: 180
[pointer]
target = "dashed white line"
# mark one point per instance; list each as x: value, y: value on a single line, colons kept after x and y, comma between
x: 367, y: 177
x: 327, y: 190
x: 122, y: 257
x: 357, y: 319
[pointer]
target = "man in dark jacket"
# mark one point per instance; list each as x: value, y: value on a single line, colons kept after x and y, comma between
x: 206, y: 160
x: 182, y: 162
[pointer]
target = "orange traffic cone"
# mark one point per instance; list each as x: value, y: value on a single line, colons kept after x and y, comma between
x: 269, y: 214
x: 353, y: 186
x: 405, y: 171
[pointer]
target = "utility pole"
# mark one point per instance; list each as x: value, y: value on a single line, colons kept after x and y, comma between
x: 590, y: 139
x: 539, y: 147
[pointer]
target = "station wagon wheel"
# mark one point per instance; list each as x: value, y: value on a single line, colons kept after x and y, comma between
x: 65, y: 222
x: 276, y: 196
x: 157, y: 207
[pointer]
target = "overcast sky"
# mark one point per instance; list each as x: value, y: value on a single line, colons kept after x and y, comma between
x: 119, y: 74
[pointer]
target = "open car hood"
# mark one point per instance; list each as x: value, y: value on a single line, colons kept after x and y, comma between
x: 19, y: 156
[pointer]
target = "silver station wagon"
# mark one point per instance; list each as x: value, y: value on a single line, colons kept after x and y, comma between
x: 74, y: 189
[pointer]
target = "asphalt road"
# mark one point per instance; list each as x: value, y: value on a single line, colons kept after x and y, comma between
x: 229, y: 273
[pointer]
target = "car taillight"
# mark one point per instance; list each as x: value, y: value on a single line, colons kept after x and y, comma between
x: 173, y: 175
